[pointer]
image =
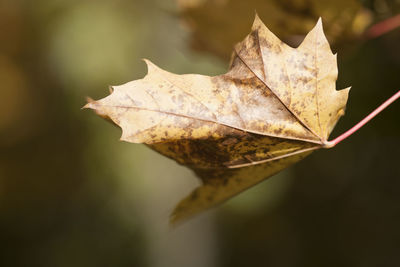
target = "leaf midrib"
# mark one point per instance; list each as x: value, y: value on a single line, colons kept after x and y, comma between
x: 211, y: 121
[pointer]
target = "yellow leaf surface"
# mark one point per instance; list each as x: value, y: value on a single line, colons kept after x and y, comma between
x: 274, y: 106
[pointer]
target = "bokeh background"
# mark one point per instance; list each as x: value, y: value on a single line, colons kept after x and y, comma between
x: 72, y: 194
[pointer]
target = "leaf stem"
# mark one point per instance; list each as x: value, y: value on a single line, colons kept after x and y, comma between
x: 352, y: 130
x: 383, y: 27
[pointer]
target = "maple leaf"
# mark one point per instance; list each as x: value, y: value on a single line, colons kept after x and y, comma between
x: 274, y: 106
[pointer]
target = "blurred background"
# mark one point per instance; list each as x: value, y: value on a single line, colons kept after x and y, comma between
x: 72, y: 194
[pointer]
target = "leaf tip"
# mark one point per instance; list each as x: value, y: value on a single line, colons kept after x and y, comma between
x: 257, y: 21
x: 124, y: 137
x: 345, y: 90
x: 345, y: 93
x: 319, y: 27
x: 256, y: 16
x: 90, y: 103
x: 146, y: 60
x: 174, y: 221
x: 316, y: 33
x: 176, y: 218
x: 150, y: 65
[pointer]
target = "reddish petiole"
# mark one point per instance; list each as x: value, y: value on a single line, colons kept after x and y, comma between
x: 352, y: 130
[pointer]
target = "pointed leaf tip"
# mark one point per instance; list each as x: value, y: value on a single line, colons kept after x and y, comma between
x: 317, y: 32
x: 89, y: 103
x: 255, y: 14
x: 257, y: 22
x: 318, y: 26
x: 345, y: 91
x: 150, y: 65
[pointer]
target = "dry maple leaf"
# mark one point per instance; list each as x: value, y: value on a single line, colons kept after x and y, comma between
x: 274, y: 106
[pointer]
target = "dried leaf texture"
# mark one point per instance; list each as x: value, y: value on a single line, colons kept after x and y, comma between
x: 273, y: 107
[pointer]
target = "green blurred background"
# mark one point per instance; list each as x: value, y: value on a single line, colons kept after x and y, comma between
x: 71, y: 194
